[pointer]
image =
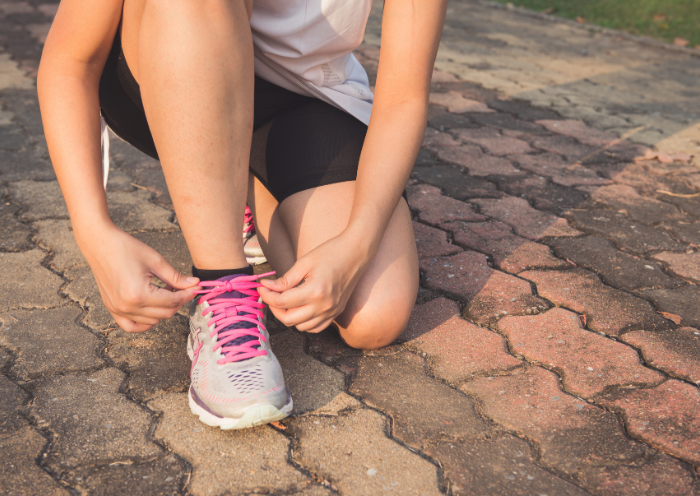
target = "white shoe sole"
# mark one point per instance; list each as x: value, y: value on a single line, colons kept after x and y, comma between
x: 256, y: 260
x: 255, y: 415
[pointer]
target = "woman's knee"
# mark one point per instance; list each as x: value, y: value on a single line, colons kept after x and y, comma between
x: 373, y: 326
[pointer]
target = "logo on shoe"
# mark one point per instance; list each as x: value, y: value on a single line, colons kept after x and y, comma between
x: 196, y: 346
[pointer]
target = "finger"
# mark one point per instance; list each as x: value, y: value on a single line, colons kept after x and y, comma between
x: 299, y: 315
x: 321, y: 327
x: 311, y: 324
x: 291, y: 279
x: 129, y: 325
x: 171, y: 277
x: 291, y: 298
x: 163, y: 298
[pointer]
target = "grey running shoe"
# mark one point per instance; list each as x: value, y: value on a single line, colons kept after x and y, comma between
x: 251, y: 247
x: 236, y: 380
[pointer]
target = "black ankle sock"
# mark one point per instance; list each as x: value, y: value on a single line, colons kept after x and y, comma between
x: 213, y: 275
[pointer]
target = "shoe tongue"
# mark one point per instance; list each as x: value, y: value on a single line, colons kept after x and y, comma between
x: 237, y: 325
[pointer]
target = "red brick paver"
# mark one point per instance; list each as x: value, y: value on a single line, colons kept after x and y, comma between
x: 435, y: 208
x: 676, y: 352
x: 587, y: 362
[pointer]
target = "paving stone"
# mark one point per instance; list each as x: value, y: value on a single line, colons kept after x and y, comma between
x: 423, y: 409
x: 571, y: 150
x: 157, y: 361
x: 477, y: 162
x: 313, y: 384
x: 570, y: 433
x: 615, y: 267
x: 38, y: 287
x: 587, y: 362
x: 682, y: 301
x: 154, y: 182
x: 39, y: 199
x: 127, y: 158
x: 330, y: 347
x: 493, y: 141
x: 432, y: 242
x: 562, y: 172
x: 525, y: 220
x: 676, y: 352
x: 434, y: 139
x: 233, y: 461
x: 134, y: 212
x: 342, y: 403
x: 14, y: 235
x: 579, y: 131
x: 523, y: 109
x: 686, y: 265
x: 688, y: 205
x: 353, y: 453
x: 82, y: 289
x: 93, y: 422
x: 49, y: 341
x: 455, y: 182
x: 656, y: 416
x: 440, y: 118
x: 158, y: 477
x: 510, y: 253
x: 13, y: 399
x: 456, y: 103
x: 542, y: 193
x: 686, y: 232
x: 57, y: 237
x: 607, y: 310
x: 119, y: 181
x: 489, y: 293
x: 639, y: 208
x: 172, y: 246
x: 628, y: 235
x: 502, y: 465
x: 456, y: 349
x: 19, y: 473
x: 646, y: 180
x: 660, y: 475
x: 435, y: 208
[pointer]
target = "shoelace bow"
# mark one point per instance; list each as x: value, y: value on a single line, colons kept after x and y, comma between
x: 227, y: 311
x: 248, y: 224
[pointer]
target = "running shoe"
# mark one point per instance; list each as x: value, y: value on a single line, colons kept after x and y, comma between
x: 236, y: 380
x: 251, y: 247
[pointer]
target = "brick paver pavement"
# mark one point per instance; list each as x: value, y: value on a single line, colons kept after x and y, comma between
x: 554, y: 348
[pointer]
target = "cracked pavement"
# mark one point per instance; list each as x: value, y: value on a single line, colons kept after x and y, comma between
x: 554, y: 347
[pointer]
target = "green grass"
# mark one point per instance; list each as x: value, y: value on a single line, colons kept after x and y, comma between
x: 663, y: 19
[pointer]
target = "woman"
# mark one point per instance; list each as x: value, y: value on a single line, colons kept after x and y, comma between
x: 247, y: 101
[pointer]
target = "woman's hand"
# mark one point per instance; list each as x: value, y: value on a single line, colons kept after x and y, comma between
x: 123, y: 267
x: 317, y: 288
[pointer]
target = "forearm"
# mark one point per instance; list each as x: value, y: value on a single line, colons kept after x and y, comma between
x: 393, y: 139
x: 69, y: 101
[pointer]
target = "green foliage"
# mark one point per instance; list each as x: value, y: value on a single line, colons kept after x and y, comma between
x: 664, y: 19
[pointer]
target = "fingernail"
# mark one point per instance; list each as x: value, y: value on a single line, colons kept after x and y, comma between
x: 191, y: 279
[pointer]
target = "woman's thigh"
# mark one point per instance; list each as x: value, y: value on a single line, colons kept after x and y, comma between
x: 381, y: 303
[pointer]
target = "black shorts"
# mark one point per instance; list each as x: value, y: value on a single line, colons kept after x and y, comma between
x: 299, y: 142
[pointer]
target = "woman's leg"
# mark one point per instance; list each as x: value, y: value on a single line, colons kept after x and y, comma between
x: 194, y: 63
x: 381, y: 304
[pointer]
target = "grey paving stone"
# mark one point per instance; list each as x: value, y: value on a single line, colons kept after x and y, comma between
x: 14, y: 235
x: 616, y: 268
x: 682, y: 301
x: 628, y: 235
x: 82, y: 289
x: 686, y: 232
x: 49, y: 341
x: 455, y: 182
x: 94, y: 423
x: 29, y: 163
x: 25, y: 283
x: 13, y: 399
x: 19, y: 473
x: 541, y: 193
x: 313, y: 384
x: 501, y: 465
x: 154, y: 181
x: 225, y: 462
x: 158, y: 477
x: 156, y: 360
x: 423, y: 409
x: 638, y: 208
x: 134, y: 212
x: 353, y: 453
x: 39, y: 200
x: 127, y: 158
x: 57, y: 237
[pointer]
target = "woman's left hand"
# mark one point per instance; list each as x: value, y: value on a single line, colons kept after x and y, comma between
x: 317, y: 288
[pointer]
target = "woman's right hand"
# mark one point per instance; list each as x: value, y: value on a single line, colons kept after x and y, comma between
x: 123, y: 267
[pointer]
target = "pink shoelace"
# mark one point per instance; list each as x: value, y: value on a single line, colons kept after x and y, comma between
x: 227, y: 311
x: 248, y: 224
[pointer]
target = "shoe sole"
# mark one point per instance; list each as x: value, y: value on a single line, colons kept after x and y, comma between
x: 254, y: 416
x: 256, y: 260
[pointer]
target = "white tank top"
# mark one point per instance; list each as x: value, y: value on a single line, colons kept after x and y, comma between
x: 306, y: 46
